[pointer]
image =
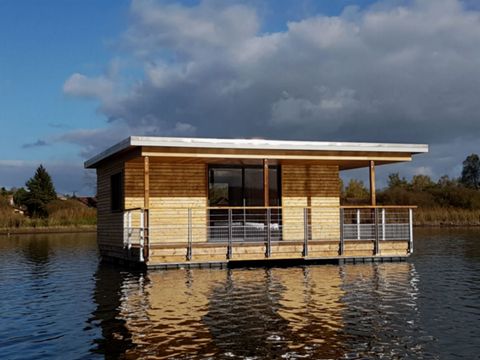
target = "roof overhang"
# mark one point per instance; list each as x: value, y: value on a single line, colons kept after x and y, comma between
x: 211, y: 148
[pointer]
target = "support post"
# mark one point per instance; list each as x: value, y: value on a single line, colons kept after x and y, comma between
x: 410, y: 231
x: 375, y: 227
x: 142, y: 235
x: 359, y: 237
x: 230, y: 235
x: 266, y: 184
x: 129, y: 232
x: 146, y: 206
x: 126, y: 230
x: 189, y: 247
x: 268, y: 251
x: 305, y: 232
x: 383, y: 224
x: 342, y: 241
x: 373, y: 196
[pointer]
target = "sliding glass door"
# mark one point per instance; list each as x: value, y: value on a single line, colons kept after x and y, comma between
x: 242, y: 188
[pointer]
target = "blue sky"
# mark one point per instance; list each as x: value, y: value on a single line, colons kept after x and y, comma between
x: 43, y: 43
x: 76, y: 76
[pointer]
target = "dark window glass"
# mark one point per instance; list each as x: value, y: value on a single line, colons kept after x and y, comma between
x: 253, y: 187
x: 274, y: 186
x: 225, y: 187
x: 116, y: 192
x: 242, y: 186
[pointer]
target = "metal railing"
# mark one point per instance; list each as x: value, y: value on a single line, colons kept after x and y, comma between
x: 368, y: 223
x: 267, y: 226
x: 377, y: 223
x: 134, y: 230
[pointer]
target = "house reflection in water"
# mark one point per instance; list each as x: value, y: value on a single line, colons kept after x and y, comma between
x: 320, y: 311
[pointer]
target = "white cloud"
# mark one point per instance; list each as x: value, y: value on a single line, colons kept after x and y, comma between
x: 83, y: 86
x: 394, y: 71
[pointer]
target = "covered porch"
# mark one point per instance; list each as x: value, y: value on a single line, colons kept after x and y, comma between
x: 217, y: 201
x: 258, y: 233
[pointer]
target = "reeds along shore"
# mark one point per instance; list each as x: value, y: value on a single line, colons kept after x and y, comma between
x: 73, y: 215
x: 446, y: 217
x: 61, y: 213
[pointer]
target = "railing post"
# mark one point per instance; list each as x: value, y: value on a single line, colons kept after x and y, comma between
x: 342, y: 242
x: 268, y: 251
x: 383, y: 224
x: 189, y: 247
x: 129, y: 231
x: 230, y: 234
x: 410, y: 231
x: 358, y: 225
x: 375, y: 227
x: 126, y: 231
x: 305, y: 232
x: 142, y: 234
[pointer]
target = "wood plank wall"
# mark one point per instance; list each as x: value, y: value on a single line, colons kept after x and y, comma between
x: 110, y: 223
x: 174, y: 187
x: 316, y: 186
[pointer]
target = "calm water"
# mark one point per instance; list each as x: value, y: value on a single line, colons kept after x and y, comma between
x: 57, y: 301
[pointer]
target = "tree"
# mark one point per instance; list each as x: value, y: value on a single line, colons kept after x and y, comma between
x: 40, y: 192
x: 342, y: 189
x: 445, y: 181
x: 356, y: 190
x: 471, y: 172
x: 422, y: 183
x: 20, y: 197
x: 394, y: 181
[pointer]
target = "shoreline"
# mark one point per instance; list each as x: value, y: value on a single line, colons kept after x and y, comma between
x: 49, y: 230
x: 93, y: 228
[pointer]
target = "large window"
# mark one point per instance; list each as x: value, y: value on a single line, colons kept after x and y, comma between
x: 116, y: 192
x: 242, y: 186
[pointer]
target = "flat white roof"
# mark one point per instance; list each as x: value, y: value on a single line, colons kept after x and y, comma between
x: 253, y: 144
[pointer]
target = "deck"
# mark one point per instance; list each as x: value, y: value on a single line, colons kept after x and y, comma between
x: 211, y: 236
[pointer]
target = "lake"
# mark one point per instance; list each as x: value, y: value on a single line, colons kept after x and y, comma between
x: 58, y: 301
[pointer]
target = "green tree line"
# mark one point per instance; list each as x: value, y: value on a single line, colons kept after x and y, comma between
x: 37, y: 205
x: 447, y: 201
x: 423, y: 191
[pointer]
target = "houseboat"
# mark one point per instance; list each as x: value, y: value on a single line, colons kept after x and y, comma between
x: 181, y: 202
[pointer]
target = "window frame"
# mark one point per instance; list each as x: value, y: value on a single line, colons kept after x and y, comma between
x: 120, y: 193
x: 243, y: 167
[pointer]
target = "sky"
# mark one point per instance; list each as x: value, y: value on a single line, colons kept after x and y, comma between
x: 77, y: 76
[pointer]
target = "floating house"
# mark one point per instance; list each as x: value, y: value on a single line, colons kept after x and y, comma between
x: 166, y: 202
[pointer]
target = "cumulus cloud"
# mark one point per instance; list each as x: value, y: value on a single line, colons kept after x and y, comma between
x: 81, y: 86
x: 402, y: 71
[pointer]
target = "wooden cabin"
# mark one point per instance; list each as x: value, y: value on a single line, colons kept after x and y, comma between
x: 190, y: 201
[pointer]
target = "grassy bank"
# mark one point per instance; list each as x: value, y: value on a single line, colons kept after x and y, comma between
x: 446, y: 217
x: 61, y: 214
x: 49, y: 230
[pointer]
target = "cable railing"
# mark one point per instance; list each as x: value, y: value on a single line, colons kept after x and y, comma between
x: 135, y: 232
x: 269, y: 227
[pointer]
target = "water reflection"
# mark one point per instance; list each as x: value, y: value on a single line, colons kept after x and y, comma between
x: 45, y: 282
x: 115, y: 337
x: 318, y: 311
x: 58, y: 302
x: 381, y: 317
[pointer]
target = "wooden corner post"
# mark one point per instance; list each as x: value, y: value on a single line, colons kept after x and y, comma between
x: 373, y: 196
x: 146, y: 205
x: 266, y: 184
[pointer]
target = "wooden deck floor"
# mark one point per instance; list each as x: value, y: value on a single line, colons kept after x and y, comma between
x: 216, y: 253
